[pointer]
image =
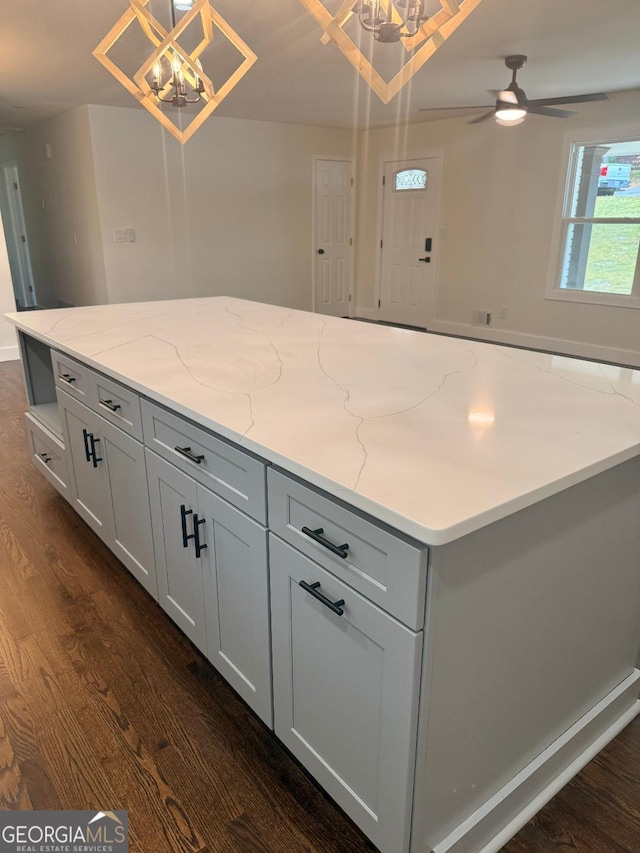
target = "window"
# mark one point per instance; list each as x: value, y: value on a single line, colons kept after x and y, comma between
x: 410, y: 179
x: 601, y: 225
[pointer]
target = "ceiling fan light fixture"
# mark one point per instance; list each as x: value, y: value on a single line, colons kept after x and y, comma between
x: 508, y: 115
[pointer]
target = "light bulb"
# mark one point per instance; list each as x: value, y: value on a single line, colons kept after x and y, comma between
x: 157, y: 73
x: 176, y: 67
x: 507, y: 116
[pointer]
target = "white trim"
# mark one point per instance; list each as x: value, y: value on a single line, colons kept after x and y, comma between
x: 587, y: 136
x: 9, y: 353
x: 401, y: 157
x: 521, y: 798
x: 338, y: 159
x: 580, y: 349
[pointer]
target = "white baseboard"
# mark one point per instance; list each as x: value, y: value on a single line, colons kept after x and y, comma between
x: 9, y: 353
x: 538, y: 342
x: 504, y: 814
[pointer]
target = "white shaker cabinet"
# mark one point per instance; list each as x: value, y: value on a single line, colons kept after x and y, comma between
x: 87, y: 468
x: 174, y: 518
x: 213, y: 579
x: 346, y: 679
x: 109, y: 486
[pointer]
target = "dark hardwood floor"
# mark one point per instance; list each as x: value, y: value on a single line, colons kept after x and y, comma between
x: 105, y: 704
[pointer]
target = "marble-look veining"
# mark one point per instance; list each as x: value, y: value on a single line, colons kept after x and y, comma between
x: 435, y: 436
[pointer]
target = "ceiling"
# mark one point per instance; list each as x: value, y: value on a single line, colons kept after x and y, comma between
x: 574, y: 46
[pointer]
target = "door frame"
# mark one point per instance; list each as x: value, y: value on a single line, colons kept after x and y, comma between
x: 395, y: 157
x: 352, y: 223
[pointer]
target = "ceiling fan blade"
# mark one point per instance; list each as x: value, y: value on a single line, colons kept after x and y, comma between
x: 504, y: 95
x: 570, y: 99
x: 490, y: 114
x: 547, y: 111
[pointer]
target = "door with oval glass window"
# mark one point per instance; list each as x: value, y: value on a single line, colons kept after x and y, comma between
x: 409, y: 250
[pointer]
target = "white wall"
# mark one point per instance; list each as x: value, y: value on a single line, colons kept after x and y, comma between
x: 228, y: 213
x: 8, y: 343
x: 64, y: 235
x: 500, y: 194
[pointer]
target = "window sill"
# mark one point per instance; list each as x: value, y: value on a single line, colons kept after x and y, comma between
x: 589, y: 297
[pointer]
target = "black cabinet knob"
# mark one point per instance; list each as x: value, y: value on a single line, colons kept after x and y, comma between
x: 321, y: 251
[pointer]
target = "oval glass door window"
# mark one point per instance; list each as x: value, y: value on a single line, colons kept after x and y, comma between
x: 410, y: 179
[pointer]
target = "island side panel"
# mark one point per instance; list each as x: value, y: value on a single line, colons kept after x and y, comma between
x: 531, y: 621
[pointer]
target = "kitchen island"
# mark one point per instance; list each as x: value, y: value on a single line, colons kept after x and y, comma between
x: 436, y: 598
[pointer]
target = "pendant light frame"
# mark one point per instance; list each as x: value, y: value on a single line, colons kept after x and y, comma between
x: 431, y: 35
x: 166, y: 45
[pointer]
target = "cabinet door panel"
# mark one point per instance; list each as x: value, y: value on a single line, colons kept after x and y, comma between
x: 346, y: 695
x: 180, y: 586
x: 237, y: 600
x: 90, y: 487
x: 132, y: 540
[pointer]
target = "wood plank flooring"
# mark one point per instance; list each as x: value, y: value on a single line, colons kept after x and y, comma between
x: 105, y: 704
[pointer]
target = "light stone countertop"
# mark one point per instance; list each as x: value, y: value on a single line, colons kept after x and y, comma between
x: 435, y: 436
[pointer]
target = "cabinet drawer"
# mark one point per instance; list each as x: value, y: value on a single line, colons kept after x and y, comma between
x: 116, y: 404
x: 71, y: 376
x: 48, y: 456
x: 384, y: 566
x: 231, y: 473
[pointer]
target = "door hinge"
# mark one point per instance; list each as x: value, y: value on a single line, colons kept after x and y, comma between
x: 380, y: 243
x: 379, y: 303
x: 351, y: 181
x: 15, y: 186
x: 351, y: 241
x: 23, y: 238
x: 349, y: 297
x: 384, y: 180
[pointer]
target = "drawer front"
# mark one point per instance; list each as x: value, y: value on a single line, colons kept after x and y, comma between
x: 116, y: 404
x: 48, y: 455
x: 386, y: 568
x: 230, y: 473
x: 72, y: 377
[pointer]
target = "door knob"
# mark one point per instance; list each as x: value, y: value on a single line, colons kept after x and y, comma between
x: 321, y: 251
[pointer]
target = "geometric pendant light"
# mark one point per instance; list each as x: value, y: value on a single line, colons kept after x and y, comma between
x: 386, y: 21
x: 171, y: 74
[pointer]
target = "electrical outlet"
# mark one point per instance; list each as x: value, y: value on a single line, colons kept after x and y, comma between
x: 124, y: 235
x: 480, y: 317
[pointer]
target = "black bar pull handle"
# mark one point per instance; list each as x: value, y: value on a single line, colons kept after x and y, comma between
x: 95, y: 459
x: 66, y: 377
x: 316, y: 535
x: 313, y: 589
x: 186, y: 451
x: 425, y: 260
x: 184, y: 512
x: 200, y: 546
x: 87, y: 451
x: 109, y: 404
x: 45, y: 458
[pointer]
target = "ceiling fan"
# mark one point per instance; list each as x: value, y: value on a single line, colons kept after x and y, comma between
x: 512, y: 104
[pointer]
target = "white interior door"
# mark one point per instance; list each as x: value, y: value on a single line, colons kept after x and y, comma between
x: 17, y: 245
x: 333, y: 265
x: 409, y: 241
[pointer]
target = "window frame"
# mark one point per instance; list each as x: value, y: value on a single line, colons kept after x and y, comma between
x: 569, y: 162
